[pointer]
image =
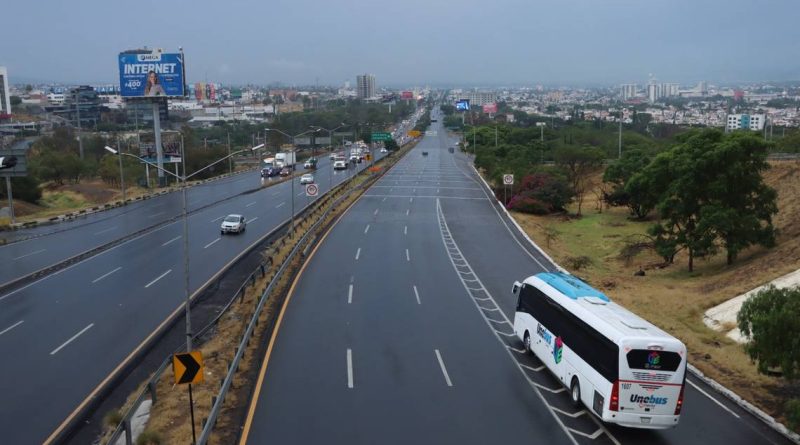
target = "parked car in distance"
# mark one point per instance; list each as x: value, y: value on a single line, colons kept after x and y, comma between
x: 233, y: 224
x: 286, y: 171
x: 307, y: 178
x: 310, y: 163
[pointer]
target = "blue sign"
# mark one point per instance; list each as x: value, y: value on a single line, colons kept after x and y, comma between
x: 462, y: 105
x: 151, y: 74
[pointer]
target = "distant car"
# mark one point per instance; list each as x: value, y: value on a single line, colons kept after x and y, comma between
x: 233, y: 224
x: 310, y: 163
x: 307, y: 178
x: 451, y: 149
x: 340, y: 164
x: 424, y: 153
x: 269, y: 172
x: 286, y: 171
x: 383, y: 150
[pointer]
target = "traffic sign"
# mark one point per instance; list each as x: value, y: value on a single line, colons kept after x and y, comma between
x: 508, y: 179
x: 188, y: 367
x: 312, y: 190
x: 381, y: 137
x: 414, y: 133
x: 368, y: 157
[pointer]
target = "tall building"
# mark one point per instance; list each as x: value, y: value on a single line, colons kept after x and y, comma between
x: 477, y: 98
x: 653, y: 91
x: 754, y: 122
x: 5, y: 97
x: 365, y: 86
x: 669, y: 89
x: 628, y: 91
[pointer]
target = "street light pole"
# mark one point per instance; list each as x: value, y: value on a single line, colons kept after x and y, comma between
x: 121, y: 172
x: 184, y: 215
x: 620, y: 133
x: 291, y: 177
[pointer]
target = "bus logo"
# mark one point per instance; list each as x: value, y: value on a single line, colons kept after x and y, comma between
x: 558, y: 350
x: 654, y: 359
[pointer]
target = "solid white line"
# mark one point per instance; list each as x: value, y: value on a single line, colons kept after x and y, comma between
x: 444, y: 370
x: 536, y: 369
x: 427, y: 196
x: 408, y: 256
x: 350, y: 294
x: 173, y: 239
x: 358, y: 253
x: 416, y: 294
x: 156, y: 214
x: 279, y: 205
x: 713, y: 399
x: 349, y: 368
x: 251, y: 204
x: 217, y: 219
x: 251, y: 220
x: 106, y: 230
x: 29, y: 254
x: 11, y: 327
x: 160, y: 277
x: 301, y: 193
x: 107, y: 274
x: 71, y: 339
x: 366, y: 229
x: 211, y: 243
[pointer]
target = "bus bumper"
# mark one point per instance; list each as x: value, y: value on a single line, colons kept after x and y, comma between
x: 642, y: 420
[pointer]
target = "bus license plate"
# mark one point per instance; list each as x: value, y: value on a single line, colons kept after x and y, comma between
x: 645, y: 420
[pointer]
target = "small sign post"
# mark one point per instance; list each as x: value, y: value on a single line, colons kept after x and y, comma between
x: 508, y: 180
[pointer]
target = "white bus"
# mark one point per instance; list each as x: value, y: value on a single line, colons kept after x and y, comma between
x: 618, y: 365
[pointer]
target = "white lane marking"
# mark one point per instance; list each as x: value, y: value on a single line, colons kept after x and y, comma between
x: 350, y: 294
x: 407, y: 211
x: 408, y: 256
x: 410, y: 200
x: 301, y: 193
x: 251, y: 204
x: 573, y: 415
x: 211, y: 243
x: 217, y: 219
x: 105, y: 275
x: 11, y: 327
x: 159, y: 277
x: 173, y: 239
x: 276, y: 193
x: 279, y: 205
x: 349, y: 368
x: 369, y: 195
x: 29, y: 254
x: 384, y: 198
x: 156, y: 214
x: 444, y: 370
x: 249, y: 221
x: 405, y: 230
x: 71, y: 339
x: 416, y: 294
x: 106, y: 230
x: 712, y: 399
x: 423, y: 187
x: 366, y: 229
x: 592, y: 436
x: 358, y: 253
x: 437, y: 191
x: 375, y: 212
x: 536, y: 369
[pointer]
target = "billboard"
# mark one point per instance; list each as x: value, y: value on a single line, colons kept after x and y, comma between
x: 407, y: 95
x: 151, y: 74
x: 462, y: 105
x: 170, y: 144
x: 490, y: 108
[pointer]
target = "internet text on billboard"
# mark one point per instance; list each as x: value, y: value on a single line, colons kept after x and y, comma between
x: 151, y: 74
x: 462, y: 105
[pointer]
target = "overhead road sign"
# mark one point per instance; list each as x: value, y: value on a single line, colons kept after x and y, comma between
x: 188, y: 367
x: 376, y: 137
x: 312, y: 190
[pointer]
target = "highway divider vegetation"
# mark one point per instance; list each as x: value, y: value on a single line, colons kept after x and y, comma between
x: 169, y: 418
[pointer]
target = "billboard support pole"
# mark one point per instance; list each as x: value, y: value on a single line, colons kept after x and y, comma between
x: 10, y: 199
x: 159, y: 148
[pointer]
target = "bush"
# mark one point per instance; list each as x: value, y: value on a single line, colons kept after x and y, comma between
x: 792, y: 408
x: 149, y: 437
x: 540, y: 194
x: 113, y: 418
x: 526, y: 204
x: 578, y: 263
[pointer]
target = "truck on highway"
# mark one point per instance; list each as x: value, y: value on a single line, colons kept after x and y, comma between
x: 268, y: 163
x: 286, y: 159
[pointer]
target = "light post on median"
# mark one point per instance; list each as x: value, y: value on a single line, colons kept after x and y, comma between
x: 121, y: 172
x: 183, y: 178
x: 330, y: 136
x: 291, y: 177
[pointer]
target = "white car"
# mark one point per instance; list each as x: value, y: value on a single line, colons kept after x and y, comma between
x: 340, y: 164
x: 307, y: 178
x: 383, y: 150
x: 233, y: 224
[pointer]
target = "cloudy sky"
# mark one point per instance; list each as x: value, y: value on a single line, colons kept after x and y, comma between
x: 411, y: 42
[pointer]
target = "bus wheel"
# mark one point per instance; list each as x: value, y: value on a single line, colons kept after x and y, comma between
x: 527, y: 340
x: 575, y: 392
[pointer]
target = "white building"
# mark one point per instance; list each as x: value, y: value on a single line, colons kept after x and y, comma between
x: 754, y: 122
x: 628, y: 91
x: 5, y: 96
x: 365, y: 86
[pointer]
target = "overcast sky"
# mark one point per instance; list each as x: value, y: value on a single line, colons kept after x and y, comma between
x: 411, y: 42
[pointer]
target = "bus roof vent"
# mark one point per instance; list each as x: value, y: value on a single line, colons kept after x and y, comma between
x: 570, y: 286
x: 596, y: 301
x: 633, y: 322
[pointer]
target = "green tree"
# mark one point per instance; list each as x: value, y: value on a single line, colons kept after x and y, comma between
x: 578, y: 165
x: 771, y: 321
x: 619, y: 173
x: 15, y: 100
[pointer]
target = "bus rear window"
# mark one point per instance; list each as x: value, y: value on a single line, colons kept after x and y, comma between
x: 653, y: 360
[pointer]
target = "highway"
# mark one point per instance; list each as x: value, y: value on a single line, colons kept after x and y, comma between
x: 67, y: 332
x: 399, y: 331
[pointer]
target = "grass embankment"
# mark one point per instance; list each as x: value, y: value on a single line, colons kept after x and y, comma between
x: 675, y: 299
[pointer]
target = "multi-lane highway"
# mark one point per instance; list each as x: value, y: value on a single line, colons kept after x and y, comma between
x: 62, y: 335
x: 398, y: 330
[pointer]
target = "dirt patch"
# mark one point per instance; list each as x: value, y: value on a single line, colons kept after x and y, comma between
x: 674, y: 299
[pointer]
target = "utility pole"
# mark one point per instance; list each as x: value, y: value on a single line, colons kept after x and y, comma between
x: 78, y: 109
x: 230, y: 160
x: 620, y: 133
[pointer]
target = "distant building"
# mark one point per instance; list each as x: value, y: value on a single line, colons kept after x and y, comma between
x: 628, y: 91
x: 5, y: 96
x: 365, y: 86
x: 477, y: 98
x: 83, y: 102
x: 753, y: 122
x: 670, y: 89
x: 653, y: 91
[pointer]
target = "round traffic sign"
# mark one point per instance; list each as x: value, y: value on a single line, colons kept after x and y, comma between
x: 508, y: 179
x: 312, y: 190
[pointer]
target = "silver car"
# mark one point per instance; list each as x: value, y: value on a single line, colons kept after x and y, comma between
x: 233, y: 224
